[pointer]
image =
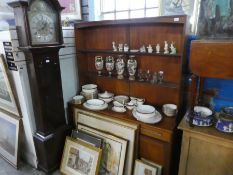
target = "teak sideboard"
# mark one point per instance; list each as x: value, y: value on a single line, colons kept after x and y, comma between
x: 157, y: 142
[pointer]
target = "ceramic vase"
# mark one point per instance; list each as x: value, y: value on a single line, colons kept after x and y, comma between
x: 132, y: 66
x: 120, y: 66
x: 99, y: 64
x: 109, y: 64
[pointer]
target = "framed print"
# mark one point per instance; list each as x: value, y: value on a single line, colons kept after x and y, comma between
x: 113, y: 152
x: 9, y: 138
x: 159, y: 167
x: 88, y: 138
x: 72, y: 11
x: 80, y: 158
x: 142, y: 168
x: 125, y: 130
x: 7, y: 97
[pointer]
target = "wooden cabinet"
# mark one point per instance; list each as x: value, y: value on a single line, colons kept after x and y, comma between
x: 95, y: 39
x: 205, y: 151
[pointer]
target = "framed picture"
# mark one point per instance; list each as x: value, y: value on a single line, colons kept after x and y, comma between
x: 72, y: 11
x: 88, y: 138
x: 9, y: 138
x: 159, y: 167
x: 113, y: 152
x: 80, y: 158
x: 215, y: 19
x: 125, y: 130
x: 142, y: 168
x: 7, y: 97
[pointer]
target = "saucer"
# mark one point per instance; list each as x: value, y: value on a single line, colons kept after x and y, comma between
x: 121, y: 110
x: 150, y: 120
x: 95, y: 108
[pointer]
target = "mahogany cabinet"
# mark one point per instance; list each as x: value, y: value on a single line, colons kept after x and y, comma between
x: 157, y: 142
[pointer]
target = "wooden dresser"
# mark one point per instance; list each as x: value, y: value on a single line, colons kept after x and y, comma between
x: 205, y: 150
x: 156, y: 142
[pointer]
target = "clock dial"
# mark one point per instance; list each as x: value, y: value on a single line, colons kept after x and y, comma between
x: 43, y: 22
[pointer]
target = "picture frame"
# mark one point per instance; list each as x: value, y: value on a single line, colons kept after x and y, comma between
x: 113, y: 151
x: 72, y: 11
x: 80, y: 158
x: 88, y: 138
x: 142, y: 168
x: 9, y: 138
x: 7, y: 95
x: 159, y: 167
x: 125, y: 130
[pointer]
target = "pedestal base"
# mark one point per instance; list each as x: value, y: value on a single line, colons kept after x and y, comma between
x: 49, y: 149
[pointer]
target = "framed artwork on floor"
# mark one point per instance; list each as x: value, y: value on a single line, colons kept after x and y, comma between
x: 9, y: 138
x: 80, y: 158
x: 159, y: 167
x: 142, y: 168
x: 72, y: 11
x: 125, y: 130
x: 88, y: 138
x: 7, y: 95
x: 113, y: 151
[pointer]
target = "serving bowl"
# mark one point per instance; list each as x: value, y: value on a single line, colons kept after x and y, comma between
x: 106, y: 96
x: 169, y: 109
x: 121, y: 99
x: 225, y: 120
x: 145, y: 111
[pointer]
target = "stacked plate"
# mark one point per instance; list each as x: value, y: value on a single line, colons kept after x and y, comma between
x: 147, y: 114
x: 95, y: 104
x: 89, y: 91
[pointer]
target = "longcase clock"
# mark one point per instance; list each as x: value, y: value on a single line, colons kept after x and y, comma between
x: 40, y: 38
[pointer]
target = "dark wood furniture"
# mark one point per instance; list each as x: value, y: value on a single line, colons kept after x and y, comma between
x: 205, y: 150
x: 156, y: 142
x: 44, y: 76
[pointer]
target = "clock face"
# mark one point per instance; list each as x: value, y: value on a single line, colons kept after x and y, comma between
x: 43, y: 21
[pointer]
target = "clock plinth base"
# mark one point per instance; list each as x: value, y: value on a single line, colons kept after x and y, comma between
x: 49, y: 149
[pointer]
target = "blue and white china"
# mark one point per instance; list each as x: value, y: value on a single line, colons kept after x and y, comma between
x: 201, y: 116
x: 225, y: 120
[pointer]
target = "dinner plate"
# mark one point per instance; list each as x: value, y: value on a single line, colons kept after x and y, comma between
x: 95, y: 108
x: 151, y: 120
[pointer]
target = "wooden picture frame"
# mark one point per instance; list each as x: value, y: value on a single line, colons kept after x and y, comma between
x: 88, y: 138
x: 9, y: 138
x: 7, y: 96
x: 72, y: 11
x: 159, y: 167
x: 80, y: 158
x: 141, y: 167
x: 113, y: 151
x: 127, y: 131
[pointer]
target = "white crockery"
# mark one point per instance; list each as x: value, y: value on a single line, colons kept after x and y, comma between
x: 205, y: 112
x: 95, y: 108
x: 157, y: 117
x: 78, y: 99
x: 121, y: 99
x: 95, y: 102
x: 145, y: 109
x: 130, y: 105
x: 118, y: 109
x: 169, y: 110
x: 107, y: 100
x: 106, y: 94
x: 89, y: 88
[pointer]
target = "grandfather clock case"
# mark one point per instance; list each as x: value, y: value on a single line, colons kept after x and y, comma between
x: 40, y: 36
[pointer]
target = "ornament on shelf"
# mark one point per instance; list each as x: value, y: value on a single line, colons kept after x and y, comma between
x: 160, y: 76
x: 142, y: 49
x: 126, y: 48
x: 120, y: 47
x: 140, y: 75
x: 148, y: 75
x: 120, y: 67
x: 150, y: 49
x: 173, y: 49
x: 154, y: 78
x: 109, y: 64
x: 114, y: 47
x: 132, y: 66
x: 166, y: 51
x: 99, y: 64
x: 157, y: 48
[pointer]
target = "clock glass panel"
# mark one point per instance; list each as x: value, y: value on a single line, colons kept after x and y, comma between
x: 43, y: 20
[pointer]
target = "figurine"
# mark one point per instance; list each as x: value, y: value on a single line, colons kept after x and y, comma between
x: 160, y: 76
x: 150, y: 49
x: 148, y: 75
x: 166, y: 51
x: 120, y: 47
x: 173, y: 49
x: 143, y: 49
x: 126, y: 48
x: 114, y: 46
x: 157, y: 48
x: 154, y: 78
x: 120, y: 66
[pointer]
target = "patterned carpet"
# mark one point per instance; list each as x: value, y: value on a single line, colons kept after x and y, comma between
x: 24, y: 169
